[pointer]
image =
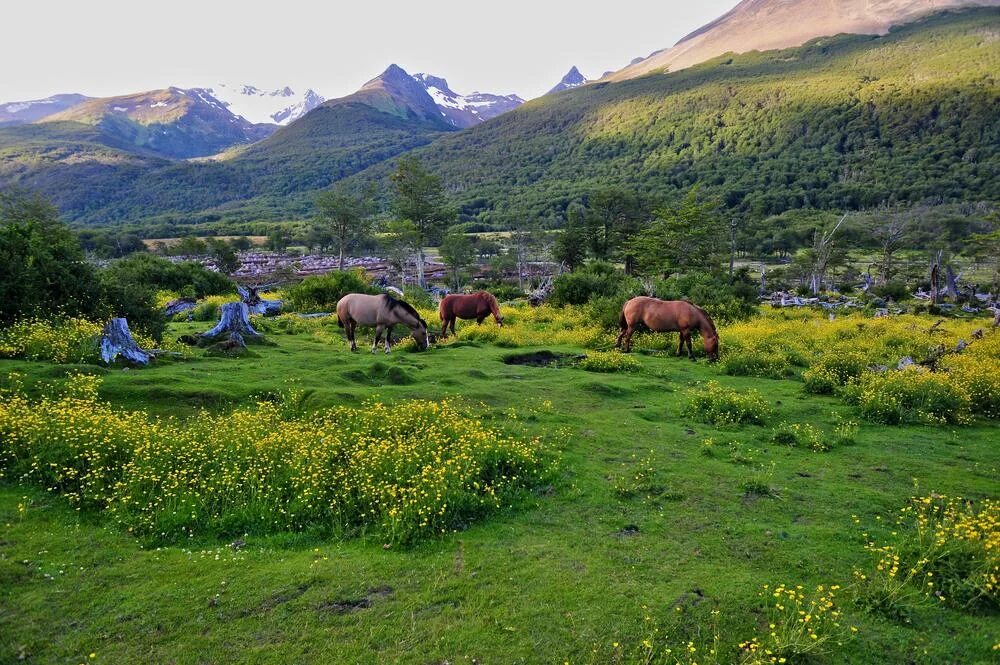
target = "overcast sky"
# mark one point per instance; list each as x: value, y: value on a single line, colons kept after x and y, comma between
x: 113, y: 47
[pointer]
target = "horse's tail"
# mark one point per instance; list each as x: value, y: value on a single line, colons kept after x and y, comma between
x: 622, y: 320
x: 340, y: 324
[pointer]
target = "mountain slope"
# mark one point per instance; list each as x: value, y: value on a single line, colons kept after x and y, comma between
x: 16, y: 113
x: 465, y: 110
x: 846, y: 122
x: 172, y: 123
x: 759, y: 25
x: 270, y: 179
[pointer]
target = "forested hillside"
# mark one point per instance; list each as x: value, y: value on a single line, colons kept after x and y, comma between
x: 845, y: 122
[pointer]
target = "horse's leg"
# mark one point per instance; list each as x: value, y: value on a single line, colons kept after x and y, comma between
x: 680, y: 345
x: 388, y: 338
x: 621, y: 335
x: 378, y: 336
x: 690, y: 347
x: 452, y: 320
x: 444, y: 327
x: 480, y: 319
x: 351, y: 327
x: 628, y: 338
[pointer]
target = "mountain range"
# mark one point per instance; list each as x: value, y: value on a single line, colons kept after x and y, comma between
x: 837, y: 122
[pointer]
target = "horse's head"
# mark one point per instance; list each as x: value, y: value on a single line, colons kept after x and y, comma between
x: 420, y: 335
x: 712, y: 347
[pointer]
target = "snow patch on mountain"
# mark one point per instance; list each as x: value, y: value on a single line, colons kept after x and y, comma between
x: 465, y: 110
x: 280, y: 106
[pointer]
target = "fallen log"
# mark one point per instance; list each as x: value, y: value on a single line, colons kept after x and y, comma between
x: 117, y: 342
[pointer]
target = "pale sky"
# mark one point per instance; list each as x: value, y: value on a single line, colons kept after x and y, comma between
x: 114, y: 47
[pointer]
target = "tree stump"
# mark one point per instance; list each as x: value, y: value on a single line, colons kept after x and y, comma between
x: 175, y: 307
x: 250, y: 295
x: 117, y: 341
x: 235, y: 319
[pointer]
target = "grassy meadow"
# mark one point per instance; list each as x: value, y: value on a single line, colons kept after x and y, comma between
x: 641, y: 509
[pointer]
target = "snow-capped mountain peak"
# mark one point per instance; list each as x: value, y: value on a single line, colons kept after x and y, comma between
x: 573, y: 79
x: 280, y: 106
x: 465, y: 110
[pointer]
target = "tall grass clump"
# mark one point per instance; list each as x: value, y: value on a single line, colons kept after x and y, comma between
x: 944, y: 550
x: 402, y: 471
x: 67, y: 340
x: 712, y: 403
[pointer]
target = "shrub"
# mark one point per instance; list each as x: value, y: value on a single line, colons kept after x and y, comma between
x: 913, y: 394
x: 418, y: 297
x: 187, y: 278
x: 596, y: 280
x: 610, y: 361
x: 407, y: 471
x: 942, y: 548
x: 68, y: 340
x: 715, y: 404
x: 725, y: 299
x: 833, y: 370
x: 43, y: 271
x: 320, y: 293
x: 756, y: 362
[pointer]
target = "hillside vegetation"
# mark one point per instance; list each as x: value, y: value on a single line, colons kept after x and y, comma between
x: 845, y: 122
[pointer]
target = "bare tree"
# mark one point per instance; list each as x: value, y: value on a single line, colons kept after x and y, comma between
x: 890, y: 234
x: 823, y: 247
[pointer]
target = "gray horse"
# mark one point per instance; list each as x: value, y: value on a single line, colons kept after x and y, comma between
x: 383, y: 312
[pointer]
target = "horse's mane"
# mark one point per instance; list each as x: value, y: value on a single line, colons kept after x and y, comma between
x: 405, y: 306
x: 708, y: 319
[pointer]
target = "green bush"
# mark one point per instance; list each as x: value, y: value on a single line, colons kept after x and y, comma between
x: 755, y: 362
x: 320, y: 293
x: 726, y: 299
x: 186, y: 278
x: 596, y: 280
x: 418, y: 297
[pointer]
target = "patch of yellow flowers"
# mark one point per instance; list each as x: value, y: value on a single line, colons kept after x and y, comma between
x: 68, y: 340
x: 404, y: 471
x: 943, y: 548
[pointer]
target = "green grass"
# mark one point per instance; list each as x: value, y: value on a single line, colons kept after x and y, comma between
x: 550, y: 581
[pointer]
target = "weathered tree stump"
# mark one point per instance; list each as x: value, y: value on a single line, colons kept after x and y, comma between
x: 175, y: 307
x: 250, y: 295
x: 235, y: 318
x: 117, y: 341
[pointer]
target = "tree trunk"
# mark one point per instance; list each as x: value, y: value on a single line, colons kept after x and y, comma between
x: 935, y: 272
x: 235, y: 318
x: 420, y: 266
x: 257, y: 305
x: 341, y: 264
x: 116, y: 340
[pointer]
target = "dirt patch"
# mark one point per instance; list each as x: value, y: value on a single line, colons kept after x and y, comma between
x: 279, y: 598
x: 349, y: 605
x: 542, y: 359
x: 627, y: 531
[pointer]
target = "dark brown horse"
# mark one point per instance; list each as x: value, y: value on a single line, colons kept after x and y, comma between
x: 668, y: 316
x: 476, y: 306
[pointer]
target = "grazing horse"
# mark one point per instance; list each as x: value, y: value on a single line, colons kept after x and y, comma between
x: 668, y: 316
x: 382, y: 311
x: 476, y: 306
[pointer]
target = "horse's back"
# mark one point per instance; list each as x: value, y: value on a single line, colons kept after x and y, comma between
x: 661, y: 315
x: 360, y: 307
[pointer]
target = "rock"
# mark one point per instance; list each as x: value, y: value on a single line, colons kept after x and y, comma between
x: 905, y: 362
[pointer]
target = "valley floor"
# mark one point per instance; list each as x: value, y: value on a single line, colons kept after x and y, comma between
x: 580, y: 573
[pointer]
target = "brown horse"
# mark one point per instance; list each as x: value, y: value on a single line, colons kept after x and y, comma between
x: 382, y: 311
x: 476, y: 306
x: 668, y: 316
